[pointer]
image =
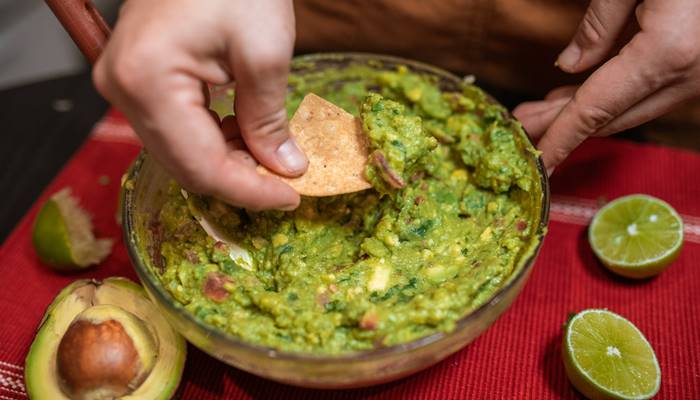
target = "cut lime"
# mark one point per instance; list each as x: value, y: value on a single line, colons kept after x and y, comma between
x: 636, y: 236
x: 607, y: 357
x: 63, y: 237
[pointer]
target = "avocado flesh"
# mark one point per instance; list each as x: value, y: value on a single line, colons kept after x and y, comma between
x: 40, y: 366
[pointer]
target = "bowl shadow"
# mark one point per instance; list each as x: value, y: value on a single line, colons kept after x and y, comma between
x: 552, y: 369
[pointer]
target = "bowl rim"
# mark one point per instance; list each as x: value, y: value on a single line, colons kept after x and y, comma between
x: 163, y: 297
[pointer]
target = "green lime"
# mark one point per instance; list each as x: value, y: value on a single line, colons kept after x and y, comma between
x: 636, y: 236
x: 63, y: 237
x: 607, y: 357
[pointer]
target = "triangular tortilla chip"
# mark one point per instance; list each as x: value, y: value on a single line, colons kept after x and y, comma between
x: 336, y: 146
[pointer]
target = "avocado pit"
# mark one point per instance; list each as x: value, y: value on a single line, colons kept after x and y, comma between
x: 106, y: 352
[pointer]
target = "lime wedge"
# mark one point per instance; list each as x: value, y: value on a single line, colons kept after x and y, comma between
x: 636, y: 236
x: 607, y: 357
x: 63, y: 236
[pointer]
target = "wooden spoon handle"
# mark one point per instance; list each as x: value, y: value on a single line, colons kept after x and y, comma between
x: 84, y: 24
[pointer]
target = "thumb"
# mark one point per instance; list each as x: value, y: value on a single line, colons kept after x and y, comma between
x: 259, y: 57
x: 596, y: 35
x: 261, y: 87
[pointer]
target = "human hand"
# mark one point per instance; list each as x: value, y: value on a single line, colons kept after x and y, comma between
x: 153, y: 70
x: 658, y: 69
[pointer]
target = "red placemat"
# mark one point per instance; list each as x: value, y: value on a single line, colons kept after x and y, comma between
x: 518, y: 357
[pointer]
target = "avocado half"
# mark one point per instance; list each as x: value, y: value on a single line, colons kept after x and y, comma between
x: 104, y: 340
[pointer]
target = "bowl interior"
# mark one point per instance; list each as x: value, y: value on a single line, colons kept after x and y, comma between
x: 146, y: 186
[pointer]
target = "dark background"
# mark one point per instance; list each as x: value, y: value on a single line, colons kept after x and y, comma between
x: 43, y: 124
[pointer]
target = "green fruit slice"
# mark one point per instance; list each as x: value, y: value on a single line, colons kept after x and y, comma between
x: 63, y: 236
x: 607, y: 357
x: 636, y: 236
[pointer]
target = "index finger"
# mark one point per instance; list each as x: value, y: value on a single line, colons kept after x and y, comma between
x: 187, y: 141
x: 260, y: 61
x: 619, y: 84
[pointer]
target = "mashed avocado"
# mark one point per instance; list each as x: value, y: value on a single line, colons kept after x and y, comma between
x: 397, y: 142
x: 446, y: 226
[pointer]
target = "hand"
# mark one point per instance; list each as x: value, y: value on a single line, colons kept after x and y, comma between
x: 658, y: 69
x: 153, y: 70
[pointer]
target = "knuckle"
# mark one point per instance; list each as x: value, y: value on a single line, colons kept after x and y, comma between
x: 271, y: 125
x: 127, y: 75
x: 592, y: 117
x: 647, y: 74
x: 592, y: 31
x: 130, y: 69
x: 679, y: 55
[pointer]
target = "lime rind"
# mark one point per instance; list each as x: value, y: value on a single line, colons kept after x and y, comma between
x: 587, y: 384
x: 63, y: 234
x: 85, y: 248
x: 655, y: 250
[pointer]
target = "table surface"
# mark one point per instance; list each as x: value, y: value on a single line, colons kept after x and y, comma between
x: 579, y: 281
x: 518, y: 357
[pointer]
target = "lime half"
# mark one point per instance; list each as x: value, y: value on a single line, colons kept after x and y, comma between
x: 607, y: 357
x: 63, y: 236
x: 636, y: 236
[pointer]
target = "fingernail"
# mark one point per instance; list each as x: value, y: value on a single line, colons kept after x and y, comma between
x: 291, y: 157
x: 569, y: 57
x: 550, y: 170
x: 290, y: 207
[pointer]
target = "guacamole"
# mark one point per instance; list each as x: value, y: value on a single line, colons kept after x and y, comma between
x: 446, y: 224
x: 397, y: 142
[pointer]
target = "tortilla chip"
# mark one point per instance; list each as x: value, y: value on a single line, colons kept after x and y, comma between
x: 336, y: 146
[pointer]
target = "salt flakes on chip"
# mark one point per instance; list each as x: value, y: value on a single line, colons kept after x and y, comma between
x: 335, y: 145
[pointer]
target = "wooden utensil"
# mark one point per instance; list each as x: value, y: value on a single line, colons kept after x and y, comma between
x: 84, y: 24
